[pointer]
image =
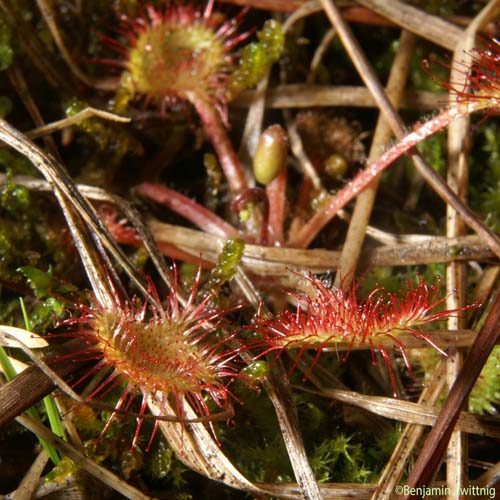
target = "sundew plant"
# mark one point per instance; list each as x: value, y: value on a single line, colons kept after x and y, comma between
x: 218, y: 280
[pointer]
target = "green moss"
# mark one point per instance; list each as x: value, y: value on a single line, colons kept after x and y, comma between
x: 340, y: 459
x: 485, y: 397
x: 256, y: 370
x: 15, y: 164
x: 255, y: 444
x: 21, y: 230
x: 256, y: 58
x: 65, y: 468
x: 214, y: 181
x: 112, y: 140
x: 485, y: 176
x: 5, y: 106
x: 226, y: 267
x: 6, y: 51
x: 159, y: 463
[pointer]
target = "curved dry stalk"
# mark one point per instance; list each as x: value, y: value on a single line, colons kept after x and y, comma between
x: 84, y: 114
x: 298, y: 150
x: 319, y: 53
x: 291, y: 125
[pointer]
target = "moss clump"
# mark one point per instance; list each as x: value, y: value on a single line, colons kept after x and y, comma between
x: 485, y: 397
x: 256, y: 58
x: 226, y: 267
x: 485, y: 177
x: 6, y: 51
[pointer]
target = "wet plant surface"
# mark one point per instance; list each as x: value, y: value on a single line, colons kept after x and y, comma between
x: 249, y: 249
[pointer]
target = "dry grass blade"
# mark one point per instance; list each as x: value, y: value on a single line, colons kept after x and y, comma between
x: 329, y: 491
x: 84, y: 114
x: 30, y: 481
x: 414, y: 413
x: 306, y: 96
x: 430, y: 27
x: 264, y: 260
x: 281, y: 398
x: 395, y: 467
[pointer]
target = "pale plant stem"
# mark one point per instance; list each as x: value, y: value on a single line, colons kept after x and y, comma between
x: 456, y: 272
x: 326, y: 213
x: 214, y: 128
x: 276, y: 195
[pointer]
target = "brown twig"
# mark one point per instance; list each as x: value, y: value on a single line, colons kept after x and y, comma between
x: 32, y: 384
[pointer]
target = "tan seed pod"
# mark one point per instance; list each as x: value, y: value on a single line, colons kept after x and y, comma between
x: 271, y: 154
